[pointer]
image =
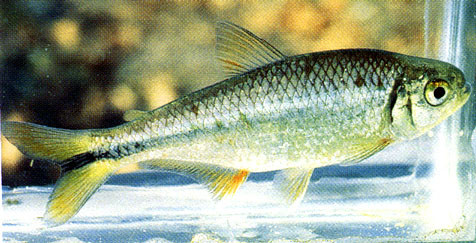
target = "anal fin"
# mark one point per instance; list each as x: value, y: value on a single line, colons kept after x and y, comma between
x: 292, y: 183
x: 75, y: 188
x: 221, y: 181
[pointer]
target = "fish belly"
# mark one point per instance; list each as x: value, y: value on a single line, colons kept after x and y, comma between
x: 303, y: 138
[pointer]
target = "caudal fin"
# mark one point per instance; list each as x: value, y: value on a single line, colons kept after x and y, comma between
x: 75, y: 188
x: 42, y: 142
x: 83, y: 173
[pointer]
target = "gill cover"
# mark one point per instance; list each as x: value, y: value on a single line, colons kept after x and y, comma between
x: 428, y: 93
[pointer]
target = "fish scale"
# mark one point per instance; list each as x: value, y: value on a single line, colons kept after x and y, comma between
x: 272, y: 112
x: 333, y: 101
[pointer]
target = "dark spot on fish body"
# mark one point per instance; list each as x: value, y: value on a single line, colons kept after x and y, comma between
x: 308, y: 67
x: 195, y: 109
x: 379, y: 81
x: 219, y: 124
x: 386, y: 141
x: 245, y: 120
x: 359, y: 81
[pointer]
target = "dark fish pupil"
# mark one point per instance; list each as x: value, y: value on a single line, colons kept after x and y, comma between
x: 439, y: 92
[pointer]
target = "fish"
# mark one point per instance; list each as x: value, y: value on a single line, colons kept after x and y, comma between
x: 272, y: 112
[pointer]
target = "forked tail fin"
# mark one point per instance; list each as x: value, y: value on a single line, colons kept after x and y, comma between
x: 83, y: 173
x: 75, y: 188
x: 42, y: 142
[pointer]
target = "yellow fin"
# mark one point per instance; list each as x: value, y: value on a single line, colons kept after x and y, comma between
x: 42, y: 142
x: 75, y: 188
x: 364, y: 150
x: 133, y: 114
x: 240, y: 51
x: 220, y: 181
x: 292, y: 183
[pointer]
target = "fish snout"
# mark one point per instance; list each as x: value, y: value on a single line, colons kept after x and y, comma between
x: 467, y: 88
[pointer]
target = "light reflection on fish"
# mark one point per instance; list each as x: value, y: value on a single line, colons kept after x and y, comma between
x: 273, y: 112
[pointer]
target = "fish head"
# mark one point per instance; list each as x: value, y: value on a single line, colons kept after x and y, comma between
x: 429, y: 92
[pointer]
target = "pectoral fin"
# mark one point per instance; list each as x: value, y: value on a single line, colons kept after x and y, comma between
x: 292, y: 183
x: 220, y: 181
x: 363, y: 150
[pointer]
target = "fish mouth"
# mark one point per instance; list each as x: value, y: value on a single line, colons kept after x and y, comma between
x: 465, y: 92
x: 467, y: 88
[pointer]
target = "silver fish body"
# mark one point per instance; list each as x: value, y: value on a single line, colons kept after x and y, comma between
x: 273, y: 112
x: 304, y: 111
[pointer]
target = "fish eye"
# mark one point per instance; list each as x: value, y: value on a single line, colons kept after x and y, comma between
x: 436, y: 92
x: 439, y: 92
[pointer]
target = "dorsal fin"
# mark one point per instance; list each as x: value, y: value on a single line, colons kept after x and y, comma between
x: 239, y: 50
x: 133, y: 114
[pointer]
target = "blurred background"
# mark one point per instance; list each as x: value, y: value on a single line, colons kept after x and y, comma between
x: 82, y: 64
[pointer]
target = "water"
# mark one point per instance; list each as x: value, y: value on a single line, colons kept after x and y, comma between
x: 151, y: 205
